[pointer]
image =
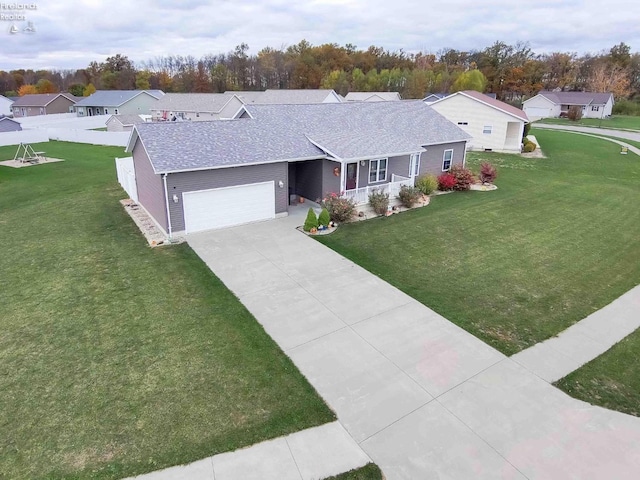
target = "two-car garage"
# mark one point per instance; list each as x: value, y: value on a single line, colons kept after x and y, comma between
x: 228, y: 206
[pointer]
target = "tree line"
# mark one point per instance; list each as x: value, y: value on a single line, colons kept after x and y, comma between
x: 512, y: 72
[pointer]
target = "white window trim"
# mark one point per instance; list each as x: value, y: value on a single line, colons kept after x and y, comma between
x: 386, y: 170
x: 487, y: 129
x: 444, y: 159
x: 414, y: 165
x: 595, y: 108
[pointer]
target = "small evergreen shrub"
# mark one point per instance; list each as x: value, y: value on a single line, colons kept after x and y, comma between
x: 323, y: 218
x: 311, y: 221
x: 446, y: 182
x: 529, y: 147
x: 427, y: 184
x: 340, y: 209
x: 488, y: 172
x: 379, y: 201
x: 464, y: 177
x: 574, y: 113
x: 409, y: 196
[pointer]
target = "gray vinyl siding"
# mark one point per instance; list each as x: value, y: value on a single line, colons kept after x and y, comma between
x: 9, y: 126
x: 313, y: 179
x: 231, y: 108
x: 431, y: 160
x: 395, y: 165
x: 150, y: 186
x: 178, y: 183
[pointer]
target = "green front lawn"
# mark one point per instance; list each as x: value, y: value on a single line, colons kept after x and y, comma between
x: 115, y: 358
x: 611, y: 380
x: 558, y: 240
x: 369, y: 472
x: 626, y: 122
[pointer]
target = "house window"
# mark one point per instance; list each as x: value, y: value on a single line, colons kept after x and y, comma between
x: 447, y: 158
x: 414, y: 165
x: 463, y: 123
x: 595, y: 108
x: 106, y: 112
x: 197, y: 114
x: 487, y: 129
x: 115, y: 111
x: 41, y: 110
x: 377, y: 170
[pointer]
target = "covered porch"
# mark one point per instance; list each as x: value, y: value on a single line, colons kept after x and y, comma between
x: 361, y: 195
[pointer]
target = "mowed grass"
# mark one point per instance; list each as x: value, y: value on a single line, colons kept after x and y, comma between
x: 626, y: 122
x: 369, y: 472
x: 611, y: 380
x: 115, y: 358
x: 558, y: 240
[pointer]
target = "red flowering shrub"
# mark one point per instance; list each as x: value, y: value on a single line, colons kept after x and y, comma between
x: 488, y: 172
x: 464, y: 177
x: 340, y: 209
x: 446, y: 182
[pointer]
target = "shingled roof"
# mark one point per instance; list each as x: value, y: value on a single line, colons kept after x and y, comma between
x: 115, y: 98
x: 278, y: 133
x: 41, y: 99
x: 576, y: 98
x: 286, y: 96
x: 193, y: 102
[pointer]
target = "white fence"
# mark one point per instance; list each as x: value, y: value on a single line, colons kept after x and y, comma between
x: 361, y: 195
x: 64, y: 120
x: 117, y: 139
x: 127, y: 177
x: 25, y: 136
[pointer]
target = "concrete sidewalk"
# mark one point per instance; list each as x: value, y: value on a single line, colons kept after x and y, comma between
x: 422, y: 397
x: 315, y: 453
x: 582, y: 342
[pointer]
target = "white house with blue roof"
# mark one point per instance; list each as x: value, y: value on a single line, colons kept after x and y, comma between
x: 193, y: 176
x: 118, y: 102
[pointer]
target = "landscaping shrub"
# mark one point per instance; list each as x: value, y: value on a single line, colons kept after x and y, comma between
x: 340, y: 209
x: 379, y: 201
x: 463, y: 176
x: 488, y: 172
x: 446, y: 182
x: 427, y: 184
x: 311, y: 221
x: 626, y: 107
x: 529, y: 146
x: 324, y: 218
x: 574, y: 113
x: 409, y: 196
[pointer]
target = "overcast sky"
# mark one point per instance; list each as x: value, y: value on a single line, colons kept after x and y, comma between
x: 72, y: 33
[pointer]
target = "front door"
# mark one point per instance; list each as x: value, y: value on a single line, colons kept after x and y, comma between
x: 352, y: 176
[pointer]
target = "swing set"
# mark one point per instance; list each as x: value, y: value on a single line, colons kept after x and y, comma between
x: 25, y: 153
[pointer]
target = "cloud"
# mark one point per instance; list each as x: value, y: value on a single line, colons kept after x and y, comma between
x: 73, y: 33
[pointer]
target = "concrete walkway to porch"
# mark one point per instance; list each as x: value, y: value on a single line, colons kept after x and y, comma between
x: 422, y: 397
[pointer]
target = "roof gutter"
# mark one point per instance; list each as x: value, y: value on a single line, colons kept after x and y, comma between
x: 166, y: 202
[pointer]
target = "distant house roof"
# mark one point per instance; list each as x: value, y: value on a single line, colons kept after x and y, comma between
x: 372, y: 96
x: 576, y: 98
x: 432, y: 97
x: 126, y: 119
x: 6, y: 99
x: 492, y: 102
x: 344, y: 131
x: 115, y: 98
x: 193, y: 102
x: 9, y: 125
x: 41, y: 99
x: 287, y: 97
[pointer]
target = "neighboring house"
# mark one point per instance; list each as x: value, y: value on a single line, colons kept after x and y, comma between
x: 193, y: 176
x: 548, y: 104
x: 492, y: 124
x: 372, y: 96
x: 43, y: 104
x: 433, y: 97
x: 289, y: 97
x: 196, y: 106
x: 123, y: 123
x: 5, y: 106
x: 9, y: 125
x: 118, y: 102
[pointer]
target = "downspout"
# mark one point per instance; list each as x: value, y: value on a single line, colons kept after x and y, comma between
x: 166, y: 202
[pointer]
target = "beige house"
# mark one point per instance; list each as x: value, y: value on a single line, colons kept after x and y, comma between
x: 492, y: 124
x: 196, y: 107
x: 43, y: 104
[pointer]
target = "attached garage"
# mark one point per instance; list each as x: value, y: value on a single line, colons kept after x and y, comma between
x: 538, y: 112
x: 228, y: 206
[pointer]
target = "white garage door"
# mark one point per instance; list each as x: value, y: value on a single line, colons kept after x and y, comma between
x: 225, y: 207
x: 537, y: 112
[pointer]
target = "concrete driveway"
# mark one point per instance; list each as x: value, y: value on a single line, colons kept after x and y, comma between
x: 422, y: 397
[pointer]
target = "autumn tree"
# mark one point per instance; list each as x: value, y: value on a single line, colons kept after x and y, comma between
x: 471, y: 80
x: 143, y: 78
x: 76, y: 89
x: 88, y: 90
x: 27, y: 90
x: 46, y: 86
x: 610, y: 78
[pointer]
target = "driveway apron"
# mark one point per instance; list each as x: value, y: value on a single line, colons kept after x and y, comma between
x: 422, y: 397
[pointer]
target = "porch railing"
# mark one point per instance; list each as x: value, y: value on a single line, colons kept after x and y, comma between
x: 361, y: 195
